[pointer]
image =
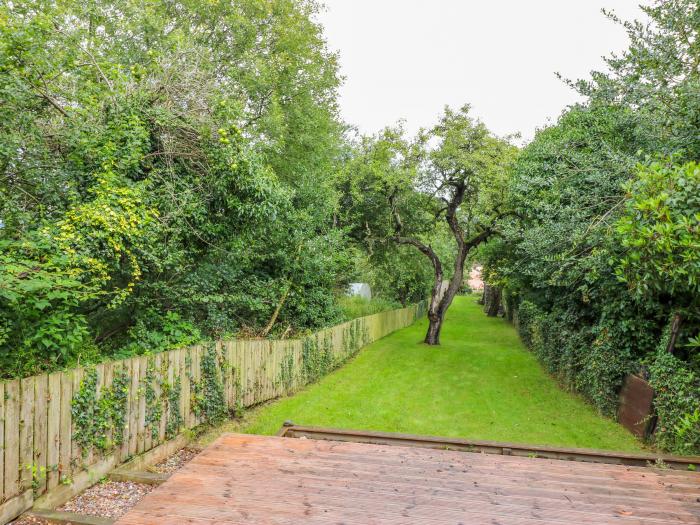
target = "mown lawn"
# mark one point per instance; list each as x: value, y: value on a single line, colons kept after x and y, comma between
x: 480, y: 383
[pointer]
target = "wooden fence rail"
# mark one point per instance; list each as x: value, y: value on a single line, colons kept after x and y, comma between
x: 58, y: 431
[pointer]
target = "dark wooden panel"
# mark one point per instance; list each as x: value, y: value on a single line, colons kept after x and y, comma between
x: 635, y: 412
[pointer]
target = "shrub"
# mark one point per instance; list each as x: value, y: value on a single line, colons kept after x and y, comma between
x: 356, y: 306
x: 604, y: 365
x: 677, y: 402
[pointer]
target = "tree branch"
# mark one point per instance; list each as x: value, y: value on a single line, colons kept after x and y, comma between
x: 423, y: 248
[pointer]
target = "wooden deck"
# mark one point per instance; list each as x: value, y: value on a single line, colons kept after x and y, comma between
x: 245, y: 479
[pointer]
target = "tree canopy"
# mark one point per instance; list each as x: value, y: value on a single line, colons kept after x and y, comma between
x: 447, y: 182
x: 165, y: 176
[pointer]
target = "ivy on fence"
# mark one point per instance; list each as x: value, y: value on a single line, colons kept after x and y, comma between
x: 99, y: 418
x: 209, y: 401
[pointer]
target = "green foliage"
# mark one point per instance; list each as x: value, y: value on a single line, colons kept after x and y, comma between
x: 158, y: 332
x: 479, y: 384
x: 357, y: 306
x: 316, y: 359
x: 441, y: 194
x: 165, y: 177
x: 676, y: 401
x: 154, y: 405
x: 401, y: 273
x: 173, y: 393
x: 286, y: 375
x: 99, y: 416
x: 208, y: 401
x: 39, y: 290
x: 660, y: 232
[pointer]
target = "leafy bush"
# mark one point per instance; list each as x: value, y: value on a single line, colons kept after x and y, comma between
x: 158, y: 332
x: 593, y: 361
x: 604, y: 364
x: 660, y: 232
x: 677, y: 402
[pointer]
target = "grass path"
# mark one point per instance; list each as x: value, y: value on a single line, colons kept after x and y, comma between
x: 480, y: 383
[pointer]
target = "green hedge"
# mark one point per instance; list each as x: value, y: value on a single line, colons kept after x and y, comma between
x: 594, y: 362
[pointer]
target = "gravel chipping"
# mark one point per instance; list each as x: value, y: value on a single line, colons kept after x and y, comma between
x: 176, y: 461
x: 111, y: 499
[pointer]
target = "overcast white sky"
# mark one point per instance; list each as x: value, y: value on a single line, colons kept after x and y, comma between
x: 408, y: 58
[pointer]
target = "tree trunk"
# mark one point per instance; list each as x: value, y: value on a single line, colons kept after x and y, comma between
x: 440, y: 301
x: 276, y: 313
x: 675, y: 328
x: 434, y: 327
x: 492, y: 300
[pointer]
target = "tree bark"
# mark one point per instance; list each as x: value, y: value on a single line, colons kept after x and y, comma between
x: 276, y: 313
x: 675, y: 328
x: 492, y: 301
x: 432, y: 337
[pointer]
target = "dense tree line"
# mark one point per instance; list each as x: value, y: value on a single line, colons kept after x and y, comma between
x: 167, y: 173
x: 602, y: 265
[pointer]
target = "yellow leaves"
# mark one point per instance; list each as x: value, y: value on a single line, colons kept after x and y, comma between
x: 100, y: 235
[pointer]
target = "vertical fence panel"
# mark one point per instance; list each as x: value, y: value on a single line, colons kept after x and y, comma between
x: 239, y: 378
x: 269, y: 369
x: 91, y: 457
x: 165, y: 378
x: 2, y: 442
x: 194, y: 372
x: 41, y: 432
x: 141, y: 400
x: 126, y: 368
x: 133, y: 405
x: 185, y: 384
x: 252, y: 361
x: 76, y: 459
x: 172, y: 379
x: 150, y: 383
x: 229, y: 349
x: 12, y: 420
x: 261, y: 347
x: 175, y: 367
x: 108, y: 380
x: 244, y: 372
x: 26, y: 433
x: 64, y: 448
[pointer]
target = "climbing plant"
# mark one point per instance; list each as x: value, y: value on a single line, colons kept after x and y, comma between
x: 317, y: 359
x: 286, y: 374
x: 172, y: 393
x: 99, y: 416
x: 208, y: 401
x: 154, y: 402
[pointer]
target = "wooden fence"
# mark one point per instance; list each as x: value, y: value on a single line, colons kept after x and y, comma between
x: 61, y: 432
